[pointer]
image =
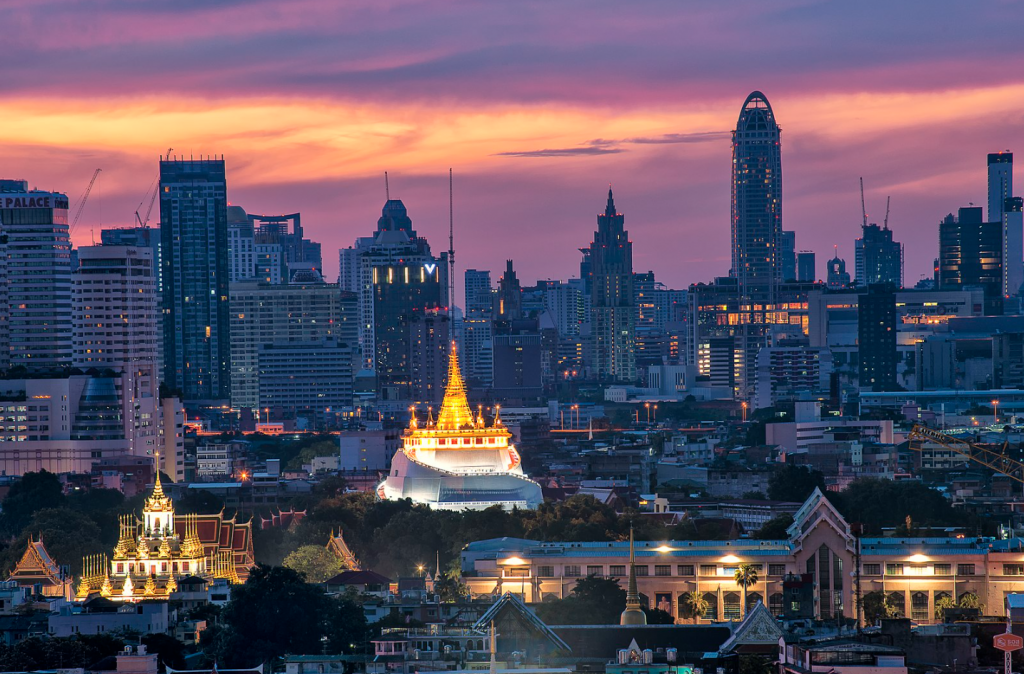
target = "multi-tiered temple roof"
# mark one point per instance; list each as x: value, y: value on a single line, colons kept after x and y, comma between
x: 153, y: 553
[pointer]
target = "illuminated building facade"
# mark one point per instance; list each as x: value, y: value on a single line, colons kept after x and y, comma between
x: 727, y: 331
x: 458, y: 462
x: 757, y: 199
x: 817, y: 554
x: 153, y: 554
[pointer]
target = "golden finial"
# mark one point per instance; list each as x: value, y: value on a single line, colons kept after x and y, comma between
x: 455, y: 412
x: 412, y: 416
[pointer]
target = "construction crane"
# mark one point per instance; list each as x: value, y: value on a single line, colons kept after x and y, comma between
x: 863, y: 209
x: 82, y: 200
x: 998, y: 461
x: 885, y: 223
x: 155, y: 188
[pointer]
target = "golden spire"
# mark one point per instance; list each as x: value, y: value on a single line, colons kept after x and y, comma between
x: 634, y: 614
x: 158, y: 501
x: 455, y: 412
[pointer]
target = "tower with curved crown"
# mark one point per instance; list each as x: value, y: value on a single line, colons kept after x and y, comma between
x: 612, y: 302
x: 458, y: 462
x: 757, y: 199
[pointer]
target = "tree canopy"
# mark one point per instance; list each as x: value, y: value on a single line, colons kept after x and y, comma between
x: 276, y: 612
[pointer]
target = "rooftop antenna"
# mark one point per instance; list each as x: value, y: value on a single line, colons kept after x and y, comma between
x: 387, y: 190
x: 885, y: 223
x: 451, y: 243
x: 863, y: 210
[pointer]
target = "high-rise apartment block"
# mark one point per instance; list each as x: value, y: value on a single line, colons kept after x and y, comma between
x: 114, y: 313
x: 876, y: 337
x: 302, y: 315
x: 194, y: 234
x: 38, y: 276
x: 477, y: 348
x: 612, y: 314
x: 878, y: 259
x: 757, y: 199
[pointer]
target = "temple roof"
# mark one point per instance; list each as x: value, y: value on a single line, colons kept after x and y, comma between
x: 455, y: 411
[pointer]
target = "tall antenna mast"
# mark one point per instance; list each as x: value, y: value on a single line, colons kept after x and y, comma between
x: 451, y: 244
x: 863, y: 210
x: 885, y: 223
x: 387, y: 189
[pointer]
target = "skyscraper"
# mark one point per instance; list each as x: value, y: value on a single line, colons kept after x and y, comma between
x: 611, y: 309
x: 5, y: 306
x: 194, y: 236
x: 394, y: 245
x: 971, y: 254
x: 38, y: 275
x: 1000, y: 183
x: 757, y: 199
x: 878, y: 259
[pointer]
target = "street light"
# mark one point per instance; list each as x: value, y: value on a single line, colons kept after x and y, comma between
x: 744, y: 411
x: 995, y: 412
x: 655, y: 414
x: 648, y: 406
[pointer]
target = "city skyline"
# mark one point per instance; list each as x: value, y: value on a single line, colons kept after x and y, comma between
x: 535, y: 121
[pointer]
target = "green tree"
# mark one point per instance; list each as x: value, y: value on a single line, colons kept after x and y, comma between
x: 593, y: 601
x: 32, y: 493
x: 315, y: 562
x: 879, y: 504
x: 450, y: 587
x: 695, y: 605
x: 775, y: 528
x: 971, y: 600
x: 655, y: 616
x: 169, y: 650
x: 276, y: 612
x: 751, y: 663
x: 794, y: 483
x: 68, y: 535
x: 876, y: 605
x: 745, y: 576
x: 755, y: 495
x: 942, y: 604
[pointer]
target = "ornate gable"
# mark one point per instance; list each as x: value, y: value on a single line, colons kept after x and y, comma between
x: 815, y: 511
x: 758, y: 629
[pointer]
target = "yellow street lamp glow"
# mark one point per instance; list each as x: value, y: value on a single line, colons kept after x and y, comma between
x: 514, y: 561
x: 663, y: 548
x: 730, y: 559
x: 918, y: 558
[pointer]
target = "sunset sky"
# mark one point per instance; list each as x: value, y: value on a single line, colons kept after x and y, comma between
x: 537, y: 106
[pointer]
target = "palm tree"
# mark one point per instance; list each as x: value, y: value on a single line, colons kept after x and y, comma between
x: 745, y: 576
x: 696, y: 604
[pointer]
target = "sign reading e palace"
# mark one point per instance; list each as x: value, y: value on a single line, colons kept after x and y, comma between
x: 42, y: 200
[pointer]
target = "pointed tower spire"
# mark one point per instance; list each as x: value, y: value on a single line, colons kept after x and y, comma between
x: 610, y: 208
x: 633, y: 615
x: 455, y: 412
